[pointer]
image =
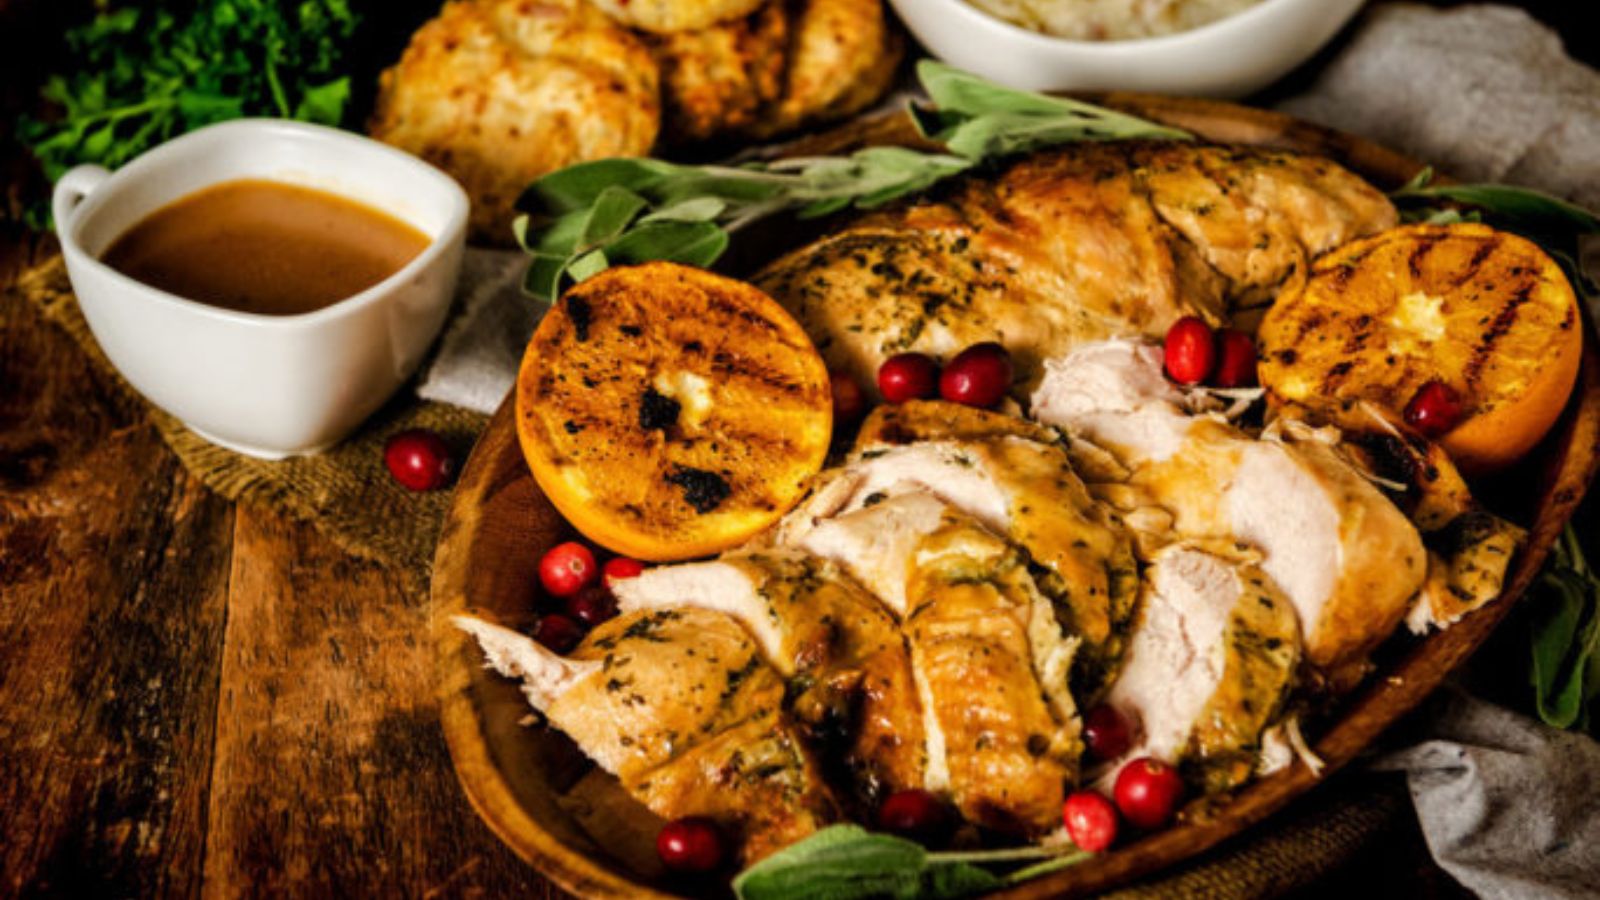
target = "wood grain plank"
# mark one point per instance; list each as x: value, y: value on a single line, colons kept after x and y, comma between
x: 331, y: 775
x: 113, y: 574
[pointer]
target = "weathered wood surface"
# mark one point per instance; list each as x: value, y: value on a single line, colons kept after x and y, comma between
x: 197, y: 699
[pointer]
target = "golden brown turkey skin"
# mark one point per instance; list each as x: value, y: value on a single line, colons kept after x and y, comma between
x: 1072, y: 245
x: 1003, y: 743
x: 689, y: 715
x: 848, y: 670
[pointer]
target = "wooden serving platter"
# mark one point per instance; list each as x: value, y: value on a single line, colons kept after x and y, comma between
x: 574, y: 823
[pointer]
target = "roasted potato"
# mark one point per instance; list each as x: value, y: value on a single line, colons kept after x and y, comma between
x: 716, y: 81
x: 499, y: 92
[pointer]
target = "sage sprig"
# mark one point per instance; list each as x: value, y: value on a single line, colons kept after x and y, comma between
x: 582, y: 219
x: 1565, y: 670
x: 1519, y: 209
x: 1552, y: 223
x: 844, y: 862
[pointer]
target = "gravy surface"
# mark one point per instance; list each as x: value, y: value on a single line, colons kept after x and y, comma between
x: 264, y: 247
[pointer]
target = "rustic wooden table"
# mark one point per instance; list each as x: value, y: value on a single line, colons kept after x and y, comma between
x: 201, y: 698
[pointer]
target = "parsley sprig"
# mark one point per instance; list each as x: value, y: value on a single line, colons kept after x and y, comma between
x: 582, y: 219
x: 147, y: 74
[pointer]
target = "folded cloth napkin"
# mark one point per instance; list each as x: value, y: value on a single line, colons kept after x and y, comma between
x: 1485, y: 93
x: 1509, y: 807
x: 478, y: 356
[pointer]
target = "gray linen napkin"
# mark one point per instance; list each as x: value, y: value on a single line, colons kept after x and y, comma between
x: 1508, y: 805
x: 1483, y: 92
x: 482, y: 346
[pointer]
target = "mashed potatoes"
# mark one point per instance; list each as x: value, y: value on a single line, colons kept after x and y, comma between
x: 1111, y: 20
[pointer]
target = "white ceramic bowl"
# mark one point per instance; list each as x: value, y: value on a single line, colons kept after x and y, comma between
x: 269, y: 386
x: 1228, y: 58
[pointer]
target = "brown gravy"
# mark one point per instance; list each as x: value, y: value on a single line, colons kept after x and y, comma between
x: 265, y: 247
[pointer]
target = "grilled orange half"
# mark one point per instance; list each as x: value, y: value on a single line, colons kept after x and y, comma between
x: 1487, y: 313
x: 669, y: 412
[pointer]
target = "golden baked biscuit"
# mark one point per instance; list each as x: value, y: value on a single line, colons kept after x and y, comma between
x: 669, y: 16
x: 843, y: 55
x: 499, y: 92
x: 716, y: 81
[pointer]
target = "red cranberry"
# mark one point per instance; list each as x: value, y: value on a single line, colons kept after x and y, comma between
x: 618, y: 569
x: 558, y: 632
x: 1190, y: 351
x: 1236, y: 359
x: 418, y: 459
x: 908, y: 376
x: 567, y: 569
x: 1105, y: 732
x: 849, y: 401
x: 592, y: 605
x: 1148, y: 791
x: 917, y: 815
x: 1091, y: 821
x: 979, y: 376
x: 1434, y: 410
x: 691, y: 844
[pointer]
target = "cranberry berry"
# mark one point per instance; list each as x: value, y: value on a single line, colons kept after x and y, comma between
x: 1435, y: 409
x: 419, y: 459
x: 1091, y: 821
x: 908, y: 376
x: 979, y: 376
x: 1191, y: 351
x: 620, y: 568
x: 592, y: 605
x: 917, y: 815
x: 1236, y: 359
x: 567, y: 569
x: 849, y: 401
x: 692, y: 844
x: 1105, y: 732
x: 558, y: 632
x: 1148, y: 791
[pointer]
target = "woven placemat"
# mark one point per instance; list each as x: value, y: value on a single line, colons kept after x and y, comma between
x: 345, y: 492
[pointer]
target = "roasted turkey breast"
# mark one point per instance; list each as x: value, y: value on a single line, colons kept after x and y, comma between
x: 1344, y: 554
x: 847, y: 664
x: 682, y: 707
x: 1014, y: 478
x: 1208, y: 666
x: 1072, y: 245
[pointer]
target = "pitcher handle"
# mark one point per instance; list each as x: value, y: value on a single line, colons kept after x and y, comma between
x: 77, y: 184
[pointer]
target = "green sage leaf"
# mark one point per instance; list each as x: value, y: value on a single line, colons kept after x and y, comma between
x: 579, y: 186
x: 688, y: 243
x: 611, y: 213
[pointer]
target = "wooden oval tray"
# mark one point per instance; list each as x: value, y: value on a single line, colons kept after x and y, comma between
x: 575, y: 823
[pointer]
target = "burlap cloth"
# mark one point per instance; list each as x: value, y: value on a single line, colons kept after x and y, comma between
x: 348, y: 494
x: 345, y: 491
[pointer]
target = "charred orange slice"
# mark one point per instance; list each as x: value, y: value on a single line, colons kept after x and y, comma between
x: 1486, y: 313
x: 669, y: 412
